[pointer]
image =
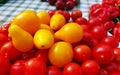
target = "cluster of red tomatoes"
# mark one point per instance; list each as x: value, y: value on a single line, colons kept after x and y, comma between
x: 96, y: 54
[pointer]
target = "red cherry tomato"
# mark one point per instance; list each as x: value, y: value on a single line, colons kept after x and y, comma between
x: 110, y: 40
x: 51, y: 12
x: 4, y: 28
x: 112, y: 68
x: 98, y: 32
x: 53, y: 70
x: 3, y: 39
x: 4, y: 65
x: 81, y: 20
x: 103, y: 53
x: 28, y: 55
x: 93, y: 22
x: 103, y: 72
x: 42, y: 54
x: 66, y: 15
x: 72, y: 69
x: 82, y: 53
x: 91, y: 67
x: 35, y: 66
x: 10, y: 51
x: 85, y: 28
x: 76, y: 14
x: 116, y: 55
x: 18, y: 68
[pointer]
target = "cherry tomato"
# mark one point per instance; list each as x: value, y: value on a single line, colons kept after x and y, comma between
x: 91, y: 67
x: 66, y: 15
x: 3, y: 39
x: 28, y: 55
x: 42, y: 54
x: 110, y: 40
x: 35, y: 66
x: 89, y: 40
x: 51, y: 12
x: 76, y: 14
x: 98, y: 32
x: 103, y: 72
x: 10, y: 51
x: 85, y: 28
x: 59, y: 12
x: 81, y: 20
x: 18, y: 68
x: 4, y: 28
x: 72, y: 69
x: 112, y: 67
x: 103, y: 53
x: 117, y: 55
x: 53, y: 70
x: 82, y: 53
x: 4, y: 65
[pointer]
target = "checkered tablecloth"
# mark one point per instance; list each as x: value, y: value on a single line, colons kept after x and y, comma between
x: 13, y: 7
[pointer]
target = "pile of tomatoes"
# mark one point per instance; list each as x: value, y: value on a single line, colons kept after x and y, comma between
x: 98, y: 52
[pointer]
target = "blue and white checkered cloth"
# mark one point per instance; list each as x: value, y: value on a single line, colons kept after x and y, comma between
x: 13, y: 7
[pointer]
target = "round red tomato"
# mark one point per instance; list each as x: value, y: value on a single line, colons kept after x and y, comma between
x: 103, y: 72
x: 76, y: 14
x: 42, y: 54
x: 18, y: 68
x: 110, y: 40
x: 72, y: 69
x: 51, y: 12
x: 28, y: 55
x: 4, y: 65
x: 66, y: 15
x: 4, y: 28
x: 35, y: 66
x: 103, y: 53
x: 3, y: 39
x: 10, y: 51
x: 91, y: 67
x: 112, y: 68
x: 98, y: 32
x: 117, y: 55
x: 53, y: 70
x: 82, y: 53
x: 81, y: 20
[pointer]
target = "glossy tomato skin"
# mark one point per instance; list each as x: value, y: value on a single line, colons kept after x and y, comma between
x: 42, y: 54
x: 51, y: 12
x: 90, y: 67
x: 4, y: 28
x: 28, y: 55
x: 72, y: 69
x: 98, y: 32
x: 110, y: 40
x: 103, y: 53
x: 53, y: 70
x: 81, y: 20
x: 76, y: 14
x: 112, y: 67
x: 10, y: 51
x: 103, y: 72
x: 35, y: 66
x: 18, y: 68
x: 4, y: 65
x: 116, y: 55
x: 66, y: 15
x: 82, y: 53
x: 3, y: 39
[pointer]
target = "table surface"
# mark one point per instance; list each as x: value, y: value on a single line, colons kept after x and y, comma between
x: 13, y: 7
